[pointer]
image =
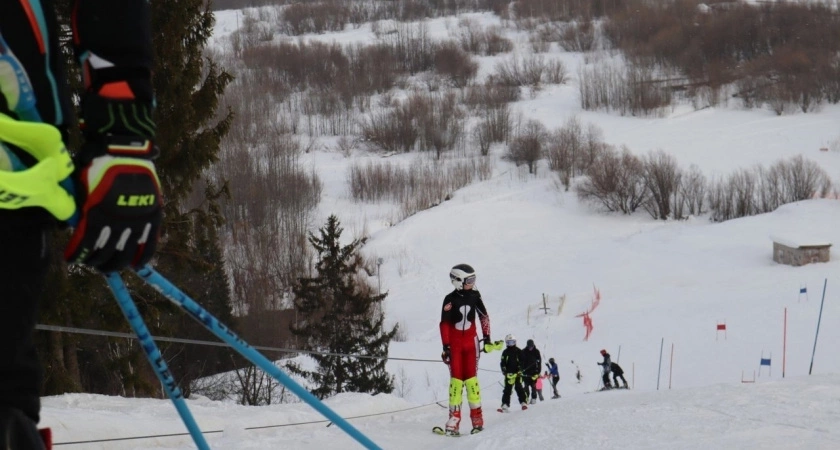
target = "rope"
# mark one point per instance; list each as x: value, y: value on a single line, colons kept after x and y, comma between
x: 215, y: 343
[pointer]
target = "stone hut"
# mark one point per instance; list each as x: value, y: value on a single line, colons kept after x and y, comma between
x: 798, y: 252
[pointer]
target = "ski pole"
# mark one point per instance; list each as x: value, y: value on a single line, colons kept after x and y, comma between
x: 129, y: 309
x: 191, y: 307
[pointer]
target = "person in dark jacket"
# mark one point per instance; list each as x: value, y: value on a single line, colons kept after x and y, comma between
x: 117, y: 191
x: 554, y: 373
x: 531, y: 367
x: 606, y: 366
x: 618, y: 373
x: 511, y: 365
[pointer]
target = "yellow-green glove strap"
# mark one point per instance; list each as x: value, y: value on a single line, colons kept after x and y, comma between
x: 37, y: 186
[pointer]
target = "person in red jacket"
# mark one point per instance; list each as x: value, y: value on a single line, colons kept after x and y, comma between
x: 116, y: 196
x: 461, y: 347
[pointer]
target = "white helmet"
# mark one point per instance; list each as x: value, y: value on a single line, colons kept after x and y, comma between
x: 510, y: 340
x: 462, y: 274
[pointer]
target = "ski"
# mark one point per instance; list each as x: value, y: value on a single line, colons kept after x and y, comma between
x: 442, y: 432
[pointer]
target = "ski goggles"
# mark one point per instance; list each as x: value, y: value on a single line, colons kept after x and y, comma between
x: 469, y: 280
x: 510, y: 342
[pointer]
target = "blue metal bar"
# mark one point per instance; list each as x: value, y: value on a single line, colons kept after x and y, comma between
x: 131, y: 313
x: 224, y: 333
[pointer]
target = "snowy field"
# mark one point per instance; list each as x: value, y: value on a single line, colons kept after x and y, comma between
x: 665, y: 286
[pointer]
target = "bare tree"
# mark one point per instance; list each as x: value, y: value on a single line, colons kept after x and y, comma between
x: 615, y: 181
x: 527, y: 146
x: 662, y: 179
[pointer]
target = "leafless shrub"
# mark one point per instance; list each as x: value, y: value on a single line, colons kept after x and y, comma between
x: 615, y: 181
x: 572, y: 149
x: 527, y: 71
x: 578, y: 36
x: 391, y: 129
x: 692, y: 191
x: 626, y: 89
x: 554, y: 72
x: 800, y: 179
x: 455, y: 64
x: 756, y: 191
x: 495, y: 126
x: 475, y: 39
x: 272, y: 200
x: 439, y: 119
x: 527, y: 146
x: 402, y: 381
x: 412, y: 47
x: 489, y: 95
x: 424, y: 184
x: 318, y: 17
x: 662, y: 177
x: 346, y: 144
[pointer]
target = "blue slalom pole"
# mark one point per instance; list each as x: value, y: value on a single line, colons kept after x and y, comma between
x: 224, y: 333
x: 131, y: 313
x: 819, y: 319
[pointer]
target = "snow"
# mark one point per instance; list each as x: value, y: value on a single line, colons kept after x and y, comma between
x: 665, y: 285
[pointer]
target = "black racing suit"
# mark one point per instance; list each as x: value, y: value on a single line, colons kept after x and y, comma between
x: 511, y: 365
x: 531, y: 366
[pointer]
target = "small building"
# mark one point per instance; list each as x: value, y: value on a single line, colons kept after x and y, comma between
x: 798, y: 252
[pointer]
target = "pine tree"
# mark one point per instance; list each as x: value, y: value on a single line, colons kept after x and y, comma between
x: 341, y: 314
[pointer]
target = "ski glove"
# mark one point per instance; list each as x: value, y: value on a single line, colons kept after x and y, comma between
x: 446, y: 355
x: 117, y: 188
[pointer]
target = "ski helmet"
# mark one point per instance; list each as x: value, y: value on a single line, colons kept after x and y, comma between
x: 530, y: 342
x: 551, y: 360
x: 510, y: 340
x: 603, y: 351
x: 462, y: 274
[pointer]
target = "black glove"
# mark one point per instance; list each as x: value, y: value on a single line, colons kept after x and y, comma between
x: 117, y: 189
x: 446, y: 355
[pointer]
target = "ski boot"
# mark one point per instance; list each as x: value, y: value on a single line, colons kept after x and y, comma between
x: 477, y: 418
x: 524, y: 406
x: 504, y: 409
x: 453, y: 423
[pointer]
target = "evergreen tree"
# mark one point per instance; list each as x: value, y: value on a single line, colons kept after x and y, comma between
x: 340, y: 313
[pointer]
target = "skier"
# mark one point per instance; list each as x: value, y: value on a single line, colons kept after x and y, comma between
x: 538, y: 384
x: 606, y: 365
x: 511, y: 364
x: 554, y: 372
x: 531, y: 367
x: 461, y: 346
x: 113, y: 170
x: 618, y: 373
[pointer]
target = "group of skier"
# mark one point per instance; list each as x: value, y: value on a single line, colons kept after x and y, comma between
x: 462, y: 347
x: 608, y: 367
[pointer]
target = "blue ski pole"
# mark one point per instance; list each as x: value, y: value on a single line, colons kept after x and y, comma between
x: 224, y: 333
x: 131, y: 313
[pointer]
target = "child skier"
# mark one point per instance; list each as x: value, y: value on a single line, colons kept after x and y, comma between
x: 554, y: 372
x: 511, y: 365
x: 607, y: 366
x: 618, y: 372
